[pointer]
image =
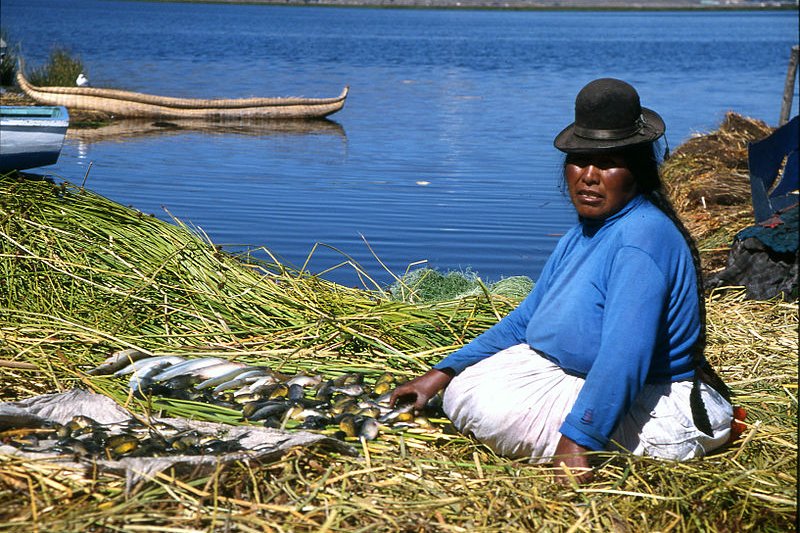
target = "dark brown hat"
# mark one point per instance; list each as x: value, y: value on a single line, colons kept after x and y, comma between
x: 608, y: 116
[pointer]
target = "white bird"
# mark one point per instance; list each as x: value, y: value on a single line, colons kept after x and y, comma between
x: 82, y: 80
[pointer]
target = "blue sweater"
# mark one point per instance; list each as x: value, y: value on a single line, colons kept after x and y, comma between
x: 616, y: 304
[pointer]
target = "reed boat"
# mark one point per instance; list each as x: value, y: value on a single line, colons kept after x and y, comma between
x: 31, y: 136
x: 140, y: 105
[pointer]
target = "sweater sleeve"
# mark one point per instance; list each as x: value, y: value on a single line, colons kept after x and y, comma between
x: 632, y: 324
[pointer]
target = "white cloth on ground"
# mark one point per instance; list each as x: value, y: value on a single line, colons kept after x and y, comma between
x: 515, y: 402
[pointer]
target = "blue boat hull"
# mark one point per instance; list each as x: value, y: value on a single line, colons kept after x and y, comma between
x: 31, y: 136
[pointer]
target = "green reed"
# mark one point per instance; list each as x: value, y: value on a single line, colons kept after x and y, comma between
x: 82, y: 276
x: 61, y: 70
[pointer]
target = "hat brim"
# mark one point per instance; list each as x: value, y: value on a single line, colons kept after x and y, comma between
x: 568, y: 142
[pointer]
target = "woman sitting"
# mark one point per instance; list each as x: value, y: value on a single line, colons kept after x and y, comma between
x: 606, y: 353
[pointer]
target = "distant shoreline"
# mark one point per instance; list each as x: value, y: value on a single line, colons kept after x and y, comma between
x: 515, y: 5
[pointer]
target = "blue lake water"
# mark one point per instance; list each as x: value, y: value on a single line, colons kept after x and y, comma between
x: 443, y: 153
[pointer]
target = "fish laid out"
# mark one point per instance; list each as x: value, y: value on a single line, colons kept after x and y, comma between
x: 84, y: 437
x: 345, y: 406
x: 118, y: 360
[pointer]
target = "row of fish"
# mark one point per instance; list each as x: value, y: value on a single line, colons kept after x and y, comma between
x: 83, y: 436
x: 345, y: 406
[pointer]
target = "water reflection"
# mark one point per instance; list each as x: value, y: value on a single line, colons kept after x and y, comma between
x: 82, y: 148
x: 127, y: 129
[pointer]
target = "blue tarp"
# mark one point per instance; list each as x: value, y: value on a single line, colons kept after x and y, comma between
x: 774, y: 165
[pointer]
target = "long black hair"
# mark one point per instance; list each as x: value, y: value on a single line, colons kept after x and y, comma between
x: 644, y: 162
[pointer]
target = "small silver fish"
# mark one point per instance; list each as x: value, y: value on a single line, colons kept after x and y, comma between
x: 186, y: 380
x: 247, y: 398
x: 210, y: 371
x: 118, y: 360
x: 424, y: 423
x: 341, y: 401
x: 324, y: 391
x: 163, y: 429
x: 72, y: 446
x: 145, y: 365
x: 300, y: 413
x: 369, y: 411
x: 251, y: 407
x: 402, y: 413
x: 347, y: 423
x: 185, y: 442
x: 383, y: 399
x: 267, y: 390
x: 120, y: 445
x: 223, y: 376
x: 315, y: 422
x: 352, y: 390
x: 382, y: 388
x: 385, y: 383
x: 140, y: 381
x: 295, y: 392
x: 80, y: 422
x: 269, y: 410
x: 305, y: 381
x: 373, y: 406
x: 245, y: 378
x: 369, y: 428
x: 348, y: 379
x: 348, y: 406
x: 259, y: 386
x: 188, y: 366
x: 386, y: 377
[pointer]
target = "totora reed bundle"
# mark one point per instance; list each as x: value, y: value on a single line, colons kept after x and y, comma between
x: 83, y: 277
x: 708, y: 180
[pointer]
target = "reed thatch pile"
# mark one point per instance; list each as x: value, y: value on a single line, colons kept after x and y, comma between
x: 82, y: 276
x: 708, y: 180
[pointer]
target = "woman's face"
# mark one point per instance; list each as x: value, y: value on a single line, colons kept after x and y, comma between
x: 599, y: 184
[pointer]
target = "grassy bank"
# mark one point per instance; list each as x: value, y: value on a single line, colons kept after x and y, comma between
x: 82, y: 276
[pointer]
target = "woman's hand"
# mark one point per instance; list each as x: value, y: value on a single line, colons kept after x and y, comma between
x: 422, y: 388
x: 571, y: 457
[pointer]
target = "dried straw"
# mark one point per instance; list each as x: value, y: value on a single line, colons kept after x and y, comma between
x: 709, y: 183
x: 81, y: 276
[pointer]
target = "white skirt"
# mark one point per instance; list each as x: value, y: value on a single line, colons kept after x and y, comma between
x: 516, y: 401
